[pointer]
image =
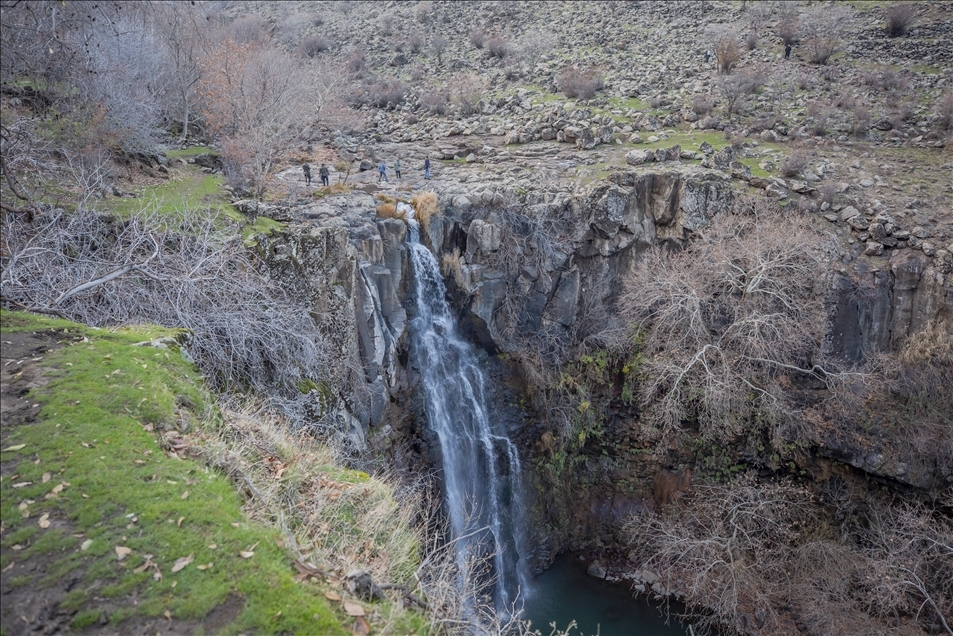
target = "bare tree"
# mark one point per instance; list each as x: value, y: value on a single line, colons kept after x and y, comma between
x: 736, y: 87
x: 823, y: 31
x: 726, y: 318
x: 789, y: 24
x: 727, y: 51
x: 182, y: 35
x: 533, y: 45
x: 254, y: 98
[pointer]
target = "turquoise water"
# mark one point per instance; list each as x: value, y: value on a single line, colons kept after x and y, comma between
x: 565, y: 592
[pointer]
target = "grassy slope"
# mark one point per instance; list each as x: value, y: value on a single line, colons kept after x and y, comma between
x: 119, y: 488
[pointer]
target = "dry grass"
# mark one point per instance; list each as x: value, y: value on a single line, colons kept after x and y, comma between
x: 385, y: 198
x: 334, y: 188
x: 339, y: 519
x: 425, y: 205
x: 389, y: 211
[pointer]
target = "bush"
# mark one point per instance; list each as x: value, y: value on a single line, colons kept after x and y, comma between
x: 415, y: 42
x: 701, y: 104
x: 860, y: 123
x: 887, y: 79
x: 496, y: 47
x: 434, y: 102
x: 899, y: 18
x: 788, y: 26
x: 792, y: 165
x: 384, y: 94
x: 751, y: 41
x: 582, y: 84
x: 727, y: 52
x: 312, y: 45
x: 477, y: 38
x: 356, y: 61
x: 820, y: 113
x: 944, y: 111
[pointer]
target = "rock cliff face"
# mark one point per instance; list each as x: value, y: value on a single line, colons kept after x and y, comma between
x: 872, y: 309
x: 542, y: 267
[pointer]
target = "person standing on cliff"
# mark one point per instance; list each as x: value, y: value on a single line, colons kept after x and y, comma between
x: 397, y: 168
x: 383, y: 173
x: 427, y: 168
x: 307, y: 173
x: 787, y: 52
x: 324, y: 173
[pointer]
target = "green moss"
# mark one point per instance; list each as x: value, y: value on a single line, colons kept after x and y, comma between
x: 190, y: 152
x: 119, y: 487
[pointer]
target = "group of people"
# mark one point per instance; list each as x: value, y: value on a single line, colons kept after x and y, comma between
x: 382, y: 172
x: 323, y: 172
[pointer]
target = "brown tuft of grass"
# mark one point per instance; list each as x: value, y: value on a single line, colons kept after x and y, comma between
x: 425, y: 205
x: 385, y: 198
x: 334, y: 188
x: 389, y: 211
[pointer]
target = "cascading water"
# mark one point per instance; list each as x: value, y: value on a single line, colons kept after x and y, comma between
x: 480, y: 464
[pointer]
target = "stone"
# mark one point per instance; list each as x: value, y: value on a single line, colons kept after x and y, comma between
x: 848, y: 213
x: 770, y: 136
x: 858, y: 223
x: 635, y: 138
x: 921, y: 232
x: 928, y: 248
x: 740, y: 171
x: 706, y: 148
x: 595, y: 569
x: 873, y: 248
x: 638, y: 157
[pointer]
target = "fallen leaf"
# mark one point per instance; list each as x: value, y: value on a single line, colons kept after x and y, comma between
x: 182, y: 562
x: 204, y: 567
x: 361, y: 627
x: 332, y: 596
x: 178, y: 524
x: 145, y: 566
x: 85, y: 544
x: 167, y: 614
x: 147, y: 428
x: 9, y: 567
x: 185, y: 495
x: 353, y: 609
x: 246, y: 554
x: 122, y: 552
x: 22, y: 484
x: 212, y: 546
x: 15, y: 447
x: 44, y: 521
x: 46, y: 477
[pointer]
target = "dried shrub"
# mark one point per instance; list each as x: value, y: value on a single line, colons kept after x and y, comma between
x: 439, y: 44
x: 382, y: 94
x: 828, y: 192
x: 899, y: 18
x: 425, y: 12
x: 701, y: 104
x: 860, y: 122
x: 751, y: 41
x: 576, y: 83
x: 477, y: 38
x: 387, y: 24
x: 312, y: 45
x: 496, y: 47
x: 727, y: 52
x: 820, y: 113
x: 887, y: 79
x: 415, y: 42
x: 738, y: 310
x: 183, y: 272
x: 736, y: 87
x: 792, y: 165
x: 435, y: 102
x: 356, y: 60
x: 466, y: 93
x: 426, y: 205
x: 789, y: 25
x: 944, y: 111
x: 251, y: 29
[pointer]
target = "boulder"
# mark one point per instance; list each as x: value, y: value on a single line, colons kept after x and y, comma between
x: 597, y: 570
x: 638, y: 157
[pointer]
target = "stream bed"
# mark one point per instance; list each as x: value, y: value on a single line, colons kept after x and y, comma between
x: 565, y: 592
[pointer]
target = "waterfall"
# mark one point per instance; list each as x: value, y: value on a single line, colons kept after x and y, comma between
x: 481, y: 466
